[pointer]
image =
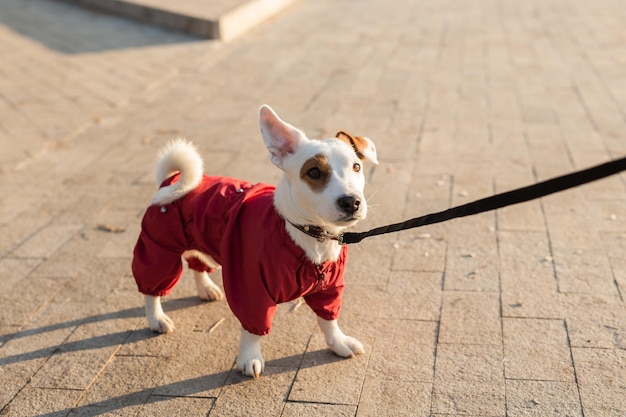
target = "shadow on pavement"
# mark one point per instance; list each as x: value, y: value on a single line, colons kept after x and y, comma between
x: 70, y: 29
x: 196, y: 387
x: 94, y: 342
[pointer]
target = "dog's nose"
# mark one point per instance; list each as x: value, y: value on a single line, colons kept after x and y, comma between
x: 349, y: 204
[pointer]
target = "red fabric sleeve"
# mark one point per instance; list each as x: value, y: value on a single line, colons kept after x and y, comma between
x: 156, y: 269
x: 326, y: 303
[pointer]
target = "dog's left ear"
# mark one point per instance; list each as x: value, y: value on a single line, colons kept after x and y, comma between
x: 363, y: 147
x: 280, y: 137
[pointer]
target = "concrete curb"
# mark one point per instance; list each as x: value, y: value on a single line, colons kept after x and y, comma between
x: 224, y: 20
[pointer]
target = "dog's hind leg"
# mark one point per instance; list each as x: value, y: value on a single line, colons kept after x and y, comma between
x: 201, y: 264
x: 158, y: 320
x: 207, y: 289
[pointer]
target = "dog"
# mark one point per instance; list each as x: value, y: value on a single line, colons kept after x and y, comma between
x: 273, y: 243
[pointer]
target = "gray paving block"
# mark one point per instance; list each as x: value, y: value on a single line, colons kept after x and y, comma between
x: 595, y: 320
x: 472, y: 268
x: 40, y: 401
x: 294, y: 409
x: 403, y: 350
x: 469, y: 380
x: 77, y: 362
x: 419, y: 251
x: 13, y: 270
x: 242, y: 395
x: 542, y: 398
x: 413, y: 295
x: 599, y: 372
x: 385, y: 397
x: 537, y: 350
x: 363, y: 268
x: 529, y: 285
x: 123, y: 387
x: 179, y: 406
x: 324, y: 377
x: 201, y: 368
x: 470, y: 318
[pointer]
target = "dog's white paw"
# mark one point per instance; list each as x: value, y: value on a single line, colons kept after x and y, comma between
x: 249, y: 360
x: 251, y: 366
x: 346, y: 346
x: 207, y: 289
x: 342, y: 345
x: 161, y: 323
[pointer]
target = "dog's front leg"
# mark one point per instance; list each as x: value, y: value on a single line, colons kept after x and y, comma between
x: 342, y: 345
x: 249, y: 360
x: 159, y: 322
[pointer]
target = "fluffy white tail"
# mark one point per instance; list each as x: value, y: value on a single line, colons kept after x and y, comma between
x: 177, y: 156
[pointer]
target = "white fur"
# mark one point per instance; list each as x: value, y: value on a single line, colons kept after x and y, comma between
x: 177, y: 156
x: 338, y: 342
x: 289, y: 149
x: 249, y: 359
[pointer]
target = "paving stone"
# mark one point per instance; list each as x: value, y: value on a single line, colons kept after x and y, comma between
x: 123, y: 387
x: 13, y: 270
x: 420, y: 251
x: 74, y: 259
x: 263, y: 396
x: 383, y: 397
x: 47, y: 241
x: 600, y: 374
x: 542, y: 398
x: 468, y: 380
x: 472, y: 268
x: 584, y: 271
x: 168, y: 406
x: 619, y: 271
x: 41, y: 401
x: 363, y: 268
x: 201, y: 369
x: 31, y: 298
x: 537, y: 350
x: 413, y: 296
x: 324, y: 377
x: 595, y: 320
x: 404, y: 350
x: 529, y: 285
x: 470, y: 318
x: 23, y: 355
x: 80, y: 358
x: 311, y: 409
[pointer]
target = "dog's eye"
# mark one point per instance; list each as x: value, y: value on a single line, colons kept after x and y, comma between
x: 314, y: 173
x: 356, y: 167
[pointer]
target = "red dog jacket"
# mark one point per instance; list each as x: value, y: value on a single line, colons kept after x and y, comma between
x: 236, y: 223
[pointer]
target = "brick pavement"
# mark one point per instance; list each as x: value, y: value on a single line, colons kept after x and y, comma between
x: 518, y: 312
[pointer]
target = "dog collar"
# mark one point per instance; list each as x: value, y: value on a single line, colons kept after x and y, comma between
x: 318, y: 233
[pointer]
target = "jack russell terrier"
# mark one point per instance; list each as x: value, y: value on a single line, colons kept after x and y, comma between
x: 274, y: 243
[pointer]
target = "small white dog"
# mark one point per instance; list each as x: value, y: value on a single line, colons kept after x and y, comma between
x: 275, y: 244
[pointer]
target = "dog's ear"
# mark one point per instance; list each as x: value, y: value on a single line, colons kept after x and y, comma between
x: 280, y: 137
x: 363, y: 147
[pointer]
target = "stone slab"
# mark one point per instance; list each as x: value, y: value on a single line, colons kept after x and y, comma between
x: 224, y: 20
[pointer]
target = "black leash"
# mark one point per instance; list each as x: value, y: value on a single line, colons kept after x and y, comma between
x: 497, y: 201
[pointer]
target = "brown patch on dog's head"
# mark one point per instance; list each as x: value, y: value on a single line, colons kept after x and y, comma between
x: 358, y: 143
x: 315, y: 172
x: 362, y: 146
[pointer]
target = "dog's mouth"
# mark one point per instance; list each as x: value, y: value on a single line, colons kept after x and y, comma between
x: 347, y: 220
